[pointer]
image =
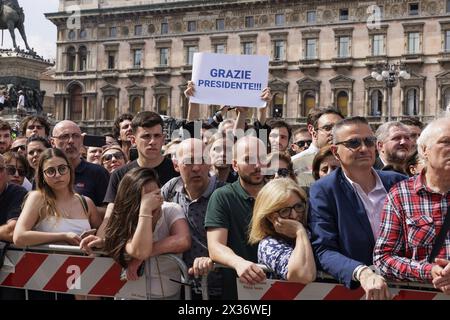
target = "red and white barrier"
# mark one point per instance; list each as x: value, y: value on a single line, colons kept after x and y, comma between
x: 283, y: 290
x: 95, y: 276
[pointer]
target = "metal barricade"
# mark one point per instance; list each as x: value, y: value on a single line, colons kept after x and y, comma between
x: 325, y: 287
x: 66, y: 269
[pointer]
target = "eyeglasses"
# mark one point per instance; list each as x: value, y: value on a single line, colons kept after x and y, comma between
x: 109, y: 156
x: 62, y: 169
x: 281, y: 173
x: 355, y: 143
x: 67, y: 136
x: 303, y: 143
x: 299, y: 207
x: 37, y: 127
x: 326, y: 128
x: 16, y: 149
x: 11, y: 171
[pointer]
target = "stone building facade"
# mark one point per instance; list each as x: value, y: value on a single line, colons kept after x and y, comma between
x: 131, y: 55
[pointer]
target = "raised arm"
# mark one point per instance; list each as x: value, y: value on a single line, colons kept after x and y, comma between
x: 194, y: 108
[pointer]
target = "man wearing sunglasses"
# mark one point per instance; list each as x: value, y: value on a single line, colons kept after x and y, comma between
x: 19, y: 146
x: 345, y: 209
x: 302, y: 140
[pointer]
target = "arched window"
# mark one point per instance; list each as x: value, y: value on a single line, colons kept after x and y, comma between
x: 83, y: 58
x: 342, y: 102
x: 163, y: 104
x: 110, y: 108
x: 309, y: 101
x: 446, y: 99
x: 278, y: 103
x: 376, y: 102
x: 412, y: 102
x: 71, y: 58
x: 135, y: 106
x: 76, y: 103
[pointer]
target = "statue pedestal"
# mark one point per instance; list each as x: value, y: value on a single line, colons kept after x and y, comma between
x: 21, y: 69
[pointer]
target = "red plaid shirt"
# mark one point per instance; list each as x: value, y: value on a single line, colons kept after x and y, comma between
x: 411, y: 219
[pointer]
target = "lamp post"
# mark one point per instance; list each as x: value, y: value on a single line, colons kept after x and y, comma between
x: 390, y: 73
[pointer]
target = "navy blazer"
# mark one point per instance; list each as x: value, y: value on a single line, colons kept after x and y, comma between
x: 341, y: 235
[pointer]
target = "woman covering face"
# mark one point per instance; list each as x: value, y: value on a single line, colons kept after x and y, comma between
x: 279, y: 226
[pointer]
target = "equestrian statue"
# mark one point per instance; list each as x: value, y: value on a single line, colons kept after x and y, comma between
x: 12, y: 17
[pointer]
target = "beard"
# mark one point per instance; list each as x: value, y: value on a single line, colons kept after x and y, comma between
x: 251, y: 180
x: 398, y: 156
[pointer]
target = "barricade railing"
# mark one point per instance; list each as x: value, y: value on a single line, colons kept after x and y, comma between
x: 67, y: 269
x: 325, y: 287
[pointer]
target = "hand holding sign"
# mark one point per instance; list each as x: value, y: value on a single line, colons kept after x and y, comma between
x: 229, y: 79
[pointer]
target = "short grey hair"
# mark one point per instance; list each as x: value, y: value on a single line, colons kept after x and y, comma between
x: 429, y: 135
x: 357, y: 120
x: 382, y: 132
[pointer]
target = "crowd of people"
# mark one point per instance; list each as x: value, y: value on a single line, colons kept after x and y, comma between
x: 363, y: 205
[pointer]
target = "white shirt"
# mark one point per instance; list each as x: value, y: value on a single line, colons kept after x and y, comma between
x: 311, y: 150
x: 373, y: 201
x: 21, y: 102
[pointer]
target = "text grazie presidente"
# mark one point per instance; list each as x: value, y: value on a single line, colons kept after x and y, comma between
x: 227, y: 84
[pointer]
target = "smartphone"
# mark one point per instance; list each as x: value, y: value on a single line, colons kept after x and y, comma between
x: 94, y: 141
x: 88, y: 233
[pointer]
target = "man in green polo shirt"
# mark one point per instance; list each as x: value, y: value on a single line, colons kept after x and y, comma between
x: 229, y: 214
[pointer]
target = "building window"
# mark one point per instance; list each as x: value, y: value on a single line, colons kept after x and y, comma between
x: 413, y: 42
x: 220, y: 24
x: 378, y: 45
x: 83, y: 58
x: 448, y: 6
x: 447, y: 41
x: 192, y: 26
x: 278, y: 104
x: 190, y: 54
x: 111, y: 60
x: 311, y: 45
x: 83, y: 34
x: 75, y: 103
x: 342, y: 103
x: 412, y: 102
x: 311, y: 17
x: 136, y: 105
x: 279, y: 50
x: 414, y: 9
x: 113, y: 32
x: 137, y: 58
x: 376, y: 102
x: 309, y: 102
x: 71, y: 58
x: 219, y: 48
x: 247, y: 48
x: 164, y: 57
x: 71, y: 35
x: 343, y: 14
x: 110, y: 108
x: 138, y: 30
x: 446, y: 99
x: 249, y: 22
x: 279, y: 19
x: 163, y: 104
x: 344, y: 47
x: 164, y: 28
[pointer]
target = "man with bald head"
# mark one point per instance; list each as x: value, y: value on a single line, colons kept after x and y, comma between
x: 91, y: 180
x: 345, y: 209
x: 229, y: 214
x: 192, y: 190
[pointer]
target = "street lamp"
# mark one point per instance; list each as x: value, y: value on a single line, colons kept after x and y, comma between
x: 390, y: 73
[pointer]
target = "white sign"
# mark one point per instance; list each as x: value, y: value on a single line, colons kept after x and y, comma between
x: 235, y: 80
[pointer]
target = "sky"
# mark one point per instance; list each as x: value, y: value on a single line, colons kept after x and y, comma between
x: 41, y: 33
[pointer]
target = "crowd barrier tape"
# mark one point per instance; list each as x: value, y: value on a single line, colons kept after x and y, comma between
x: 324, y: 288
x: 63, y: 269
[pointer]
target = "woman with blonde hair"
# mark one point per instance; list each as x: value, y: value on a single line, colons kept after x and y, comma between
x: 279, y: 225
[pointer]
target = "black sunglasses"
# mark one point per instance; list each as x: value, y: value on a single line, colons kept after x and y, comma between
x: 109, y: 156
x: 355, y: 143
x: 11, y: 171
x: 281, y: 173
x: 303, y: 143
x: 16, y: 149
